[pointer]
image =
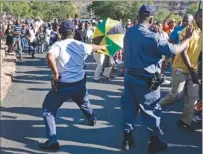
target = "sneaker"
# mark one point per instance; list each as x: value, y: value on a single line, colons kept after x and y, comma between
x: 197, y: 119
x: 98, y: 81
x: 92, y: 121
x: 49, y: 146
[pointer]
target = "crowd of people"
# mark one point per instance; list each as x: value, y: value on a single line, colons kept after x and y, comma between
x: 32, y: 35
x: 149, y: 48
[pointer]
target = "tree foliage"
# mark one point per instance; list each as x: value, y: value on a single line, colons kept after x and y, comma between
x: 45, y: 10
x: 161, y: 14
x: 192, y: 8
x: 115, y: 9
x: 124, y: 10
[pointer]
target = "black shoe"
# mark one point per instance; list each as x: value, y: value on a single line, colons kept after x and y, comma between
x: 98, y: 81
x: 156, y: 145
x: 185, y: 126
x: 128, y: 140
x: 92, y: 121
x: 49, y: 146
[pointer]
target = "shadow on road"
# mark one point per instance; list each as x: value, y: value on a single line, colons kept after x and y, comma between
x: 76, y: 138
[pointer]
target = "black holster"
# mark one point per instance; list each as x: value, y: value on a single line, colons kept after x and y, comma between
x: 153, y: 82
x: 156, y: 81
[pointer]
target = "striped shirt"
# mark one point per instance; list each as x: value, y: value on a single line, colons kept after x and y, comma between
x: 17, y: 29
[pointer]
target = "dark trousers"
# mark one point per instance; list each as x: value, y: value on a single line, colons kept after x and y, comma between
x: 78, y: 93
x: 137, y: 96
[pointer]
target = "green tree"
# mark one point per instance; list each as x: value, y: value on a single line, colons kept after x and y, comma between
x: 115, y: 9
x: 161, y: 14
x: 193, y: 8
x: 45, y: 10
x: 5, y: 6
x: 20, y: 9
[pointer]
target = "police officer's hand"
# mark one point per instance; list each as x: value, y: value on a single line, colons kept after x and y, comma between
x: 103, y: 47
x: 56, y: 76
x: 189, y: 31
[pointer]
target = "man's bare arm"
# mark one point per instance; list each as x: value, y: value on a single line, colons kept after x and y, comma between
x: 188, y: 64
x: 98, y: 47
x: 51, y: 61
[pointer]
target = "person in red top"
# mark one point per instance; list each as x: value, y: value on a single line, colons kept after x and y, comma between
x: 168, y: 26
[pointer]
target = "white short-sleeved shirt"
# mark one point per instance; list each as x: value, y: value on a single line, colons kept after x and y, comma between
x: 32, y: 35
x: 70, y: 55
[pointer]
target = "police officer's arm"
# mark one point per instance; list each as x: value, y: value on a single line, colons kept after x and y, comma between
x: 92, y: 47
x: 166, y: 48
x: 98, y: 47
x: 51, y: 61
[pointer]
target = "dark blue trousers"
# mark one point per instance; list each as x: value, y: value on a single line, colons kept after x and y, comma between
x: 78, y: 93
x: 137, y: 96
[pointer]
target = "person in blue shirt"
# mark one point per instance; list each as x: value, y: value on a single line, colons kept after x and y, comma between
x: 174, y: 37
x: 143, y: 50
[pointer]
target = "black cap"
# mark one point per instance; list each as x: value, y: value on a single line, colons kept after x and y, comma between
x: 68, y: 25
x: 147, y: 10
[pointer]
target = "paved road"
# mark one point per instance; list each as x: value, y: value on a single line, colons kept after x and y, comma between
x: 22, y: 124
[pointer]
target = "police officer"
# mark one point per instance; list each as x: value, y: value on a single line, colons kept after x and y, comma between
x: 143, y: 50
x: 65, y: 59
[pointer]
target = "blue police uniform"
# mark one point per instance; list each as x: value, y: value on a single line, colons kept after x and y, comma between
x: 143, y: 50
x: 70, y: 55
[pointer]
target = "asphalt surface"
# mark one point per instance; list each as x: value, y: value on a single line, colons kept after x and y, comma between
x: 22, y: 125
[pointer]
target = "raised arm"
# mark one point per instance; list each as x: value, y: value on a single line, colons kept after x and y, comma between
x: 98, y: 47
x: 166, y: 19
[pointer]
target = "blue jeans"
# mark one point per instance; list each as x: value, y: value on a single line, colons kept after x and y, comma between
x: 78, y: 93
x: 17, y: 40
x: 24, y: 43
x: 137, y: 96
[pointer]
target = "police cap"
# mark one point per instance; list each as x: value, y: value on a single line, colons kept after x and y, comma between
x: 147, y: 10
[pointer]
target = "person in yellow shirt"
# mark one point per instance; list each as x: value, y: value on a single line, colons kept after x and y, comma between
x: 184, y: 75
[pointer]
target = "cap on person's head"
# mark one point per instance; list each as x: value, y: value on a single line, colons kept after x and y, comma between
x: 147, y: 10
x: 188, y: 17
x: 68, y: 25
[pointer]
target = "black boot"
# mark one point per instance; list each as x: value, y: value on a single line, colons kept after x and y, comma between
x: 49, y: 146
x: 156, y: 145
x: 128, y: 140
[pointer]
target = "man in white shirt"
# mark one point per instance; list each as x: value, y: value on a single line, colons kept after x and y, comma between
x: 38, y: 23
x: 65, y: 58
